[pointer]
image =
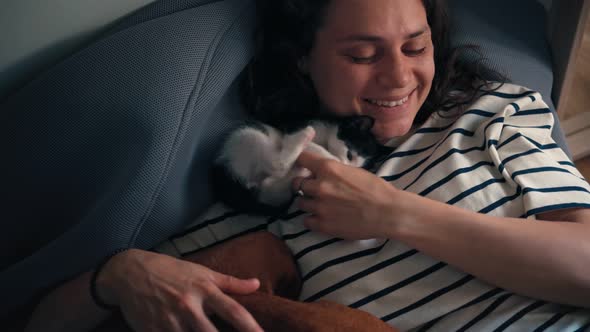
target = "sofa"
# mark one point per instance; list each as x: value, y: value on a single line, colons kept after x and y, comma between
x: 110, y: 147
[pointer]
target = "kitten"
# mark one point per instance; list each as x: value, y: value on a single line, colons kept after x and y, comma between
x: 256, y: 167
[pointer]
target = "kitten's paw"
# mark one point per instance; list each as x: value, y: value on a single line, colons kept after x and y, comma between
x: 309, y: 134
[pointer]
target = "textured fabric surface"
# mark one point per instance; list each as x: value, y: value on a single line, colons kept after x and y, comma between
x: 105, y: 143
x: 512, y: 37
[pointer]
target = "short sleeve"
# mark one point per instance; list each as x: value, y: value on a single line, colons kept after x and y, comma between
x: 528, y: 157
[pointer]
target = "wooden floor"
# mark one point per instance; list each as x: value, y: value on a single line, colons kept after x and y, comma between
x: 580, y: 96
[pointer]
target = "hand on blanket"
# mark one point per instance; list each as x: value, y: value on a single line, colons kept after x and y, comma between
x: 160, y: 293
x: 345, y: 201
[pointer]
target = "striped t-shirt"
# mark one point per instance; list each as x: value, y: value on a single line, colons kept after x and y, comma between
x: 495, y: 157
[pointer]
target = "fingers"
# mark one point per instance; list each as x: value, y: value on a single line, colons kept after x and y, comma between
x: 312, y: 222
x: 307, y: 204
x: 310, y: 161
x: 201, y: 322
x: 232, y: 312
x: 308, y: 185
x: 230, y: 284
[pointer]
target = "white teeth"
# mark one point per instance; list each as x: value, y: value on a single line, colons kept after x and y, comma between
x: 388, y: 103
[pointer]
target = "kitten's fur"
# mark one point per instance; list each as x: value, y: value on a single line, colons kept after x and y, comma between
x: 256, y: 167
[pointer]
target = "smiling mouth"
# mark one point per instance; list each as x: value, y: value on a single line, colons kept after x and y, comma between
x: 389, y: 103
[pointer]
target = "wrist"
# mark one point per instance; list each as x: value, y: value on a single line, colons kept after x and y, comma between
x: 105, y: 278
x: 412, y: 217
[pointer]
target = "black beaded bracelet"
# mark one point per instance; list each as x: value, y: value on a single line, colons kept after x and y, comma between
x: 93, y: 292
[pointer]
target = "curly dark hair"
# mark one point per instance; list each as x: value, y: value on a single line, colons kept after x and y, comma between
x: 275, y: 91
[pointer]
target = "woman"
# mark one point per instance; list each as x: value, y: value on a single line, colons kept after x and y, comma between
x: 415, y: 262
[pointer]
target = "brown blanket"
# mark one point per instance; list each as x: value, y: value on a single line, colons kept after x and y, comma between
x: 263, y: 256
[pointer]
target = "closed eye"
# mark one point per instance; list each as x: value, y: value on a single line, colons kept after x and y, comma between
x: 363, y: 60
x: 415, y: 52
x: 349, y: 155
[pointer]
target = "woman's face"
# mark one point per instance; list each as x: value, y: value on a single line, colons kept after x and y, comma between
x: 374, y: 58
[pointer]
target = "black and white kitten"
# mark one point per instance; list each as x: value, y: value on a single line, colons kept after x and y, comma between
x: 256, y: 167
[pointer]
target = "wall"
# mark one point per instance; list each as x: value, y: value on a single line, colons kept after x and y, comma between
x: 35, y: 34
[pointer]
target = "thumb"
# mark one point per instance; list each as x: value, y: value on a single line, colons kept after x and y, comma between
x: 230, y: 284
x: 311, y: 161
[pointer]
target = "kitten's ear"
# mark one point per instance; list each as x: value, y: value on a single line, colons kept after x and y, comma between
x: 364, y: 122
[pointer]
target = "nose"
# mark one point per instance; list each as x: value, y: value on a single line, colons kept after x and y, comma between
x: 394, y: 71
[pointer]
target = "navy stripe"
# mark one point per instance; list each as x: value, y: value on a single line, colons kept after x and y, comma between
x: 529, y: 127
x: 408, y: 153
x: 508, y: 95
x: 401, y: 284
x: 508, y: 140
x: 567, y: 163
x: 315, y: 247
x: 533, y: 112
x: 516, y: 107
x: 519, y: 315
x: 538, y: 170
x: 543, y: 146
x: 555, y: 189
x: 501, y: 202
x: 553, y: 320
x: 480, y: 112
x: 206, y: 223
x: 511, y: 158
x: 399, y: 175
x: 486, y: 312
x: 584, y: 328
x: 292, y: 215
x: 537, y: 144
x: 248, y: 231
x: 470, y: 191
x: 428, y: 298
x: 556, y: 207
x: 533, y: 98
x: 343, y: 259
x: 441, y: 159
x: 360, y: 275
x: 453, y: 151
x: 475, y: 301
x: 454, y: 174
x: 288, y: 237
x: 462, y: 131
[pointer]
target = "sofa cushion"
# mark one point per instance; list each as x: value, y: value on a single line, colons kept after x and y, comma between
x: 109, y: 148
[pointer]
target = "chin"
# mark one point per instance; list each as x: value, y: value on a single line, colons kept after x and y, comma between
x: 384, y: 134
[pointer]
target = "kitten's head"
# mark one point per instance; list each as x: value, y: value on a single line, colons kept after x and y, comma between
x: 359, y: 142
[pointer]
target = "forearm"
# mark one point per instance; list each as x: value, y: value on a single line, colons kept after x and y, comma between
x: 545, y: 260
x: 67, y: 308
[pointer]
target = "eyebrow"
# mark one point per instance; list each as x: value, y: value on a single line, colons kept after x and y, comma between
x: 372, y: 38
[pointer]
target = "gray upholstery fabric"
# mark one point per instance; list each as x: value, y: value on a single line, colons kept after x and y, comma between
x: 512, y: 37
x: 110, y: 148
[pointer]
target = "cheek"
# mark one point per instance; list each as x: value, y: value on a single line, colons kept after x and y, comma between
x: 425, y: 75
x: 427, y: 72
x: 338, y: 87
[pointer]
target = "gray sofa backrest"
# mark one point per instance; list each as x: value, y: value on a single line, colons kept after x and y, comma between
x: 111, y: 147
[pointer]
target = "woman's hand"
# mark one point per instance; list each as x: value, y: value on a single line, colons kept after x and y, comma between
x: 344, y: 201
x: 160, y: 293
